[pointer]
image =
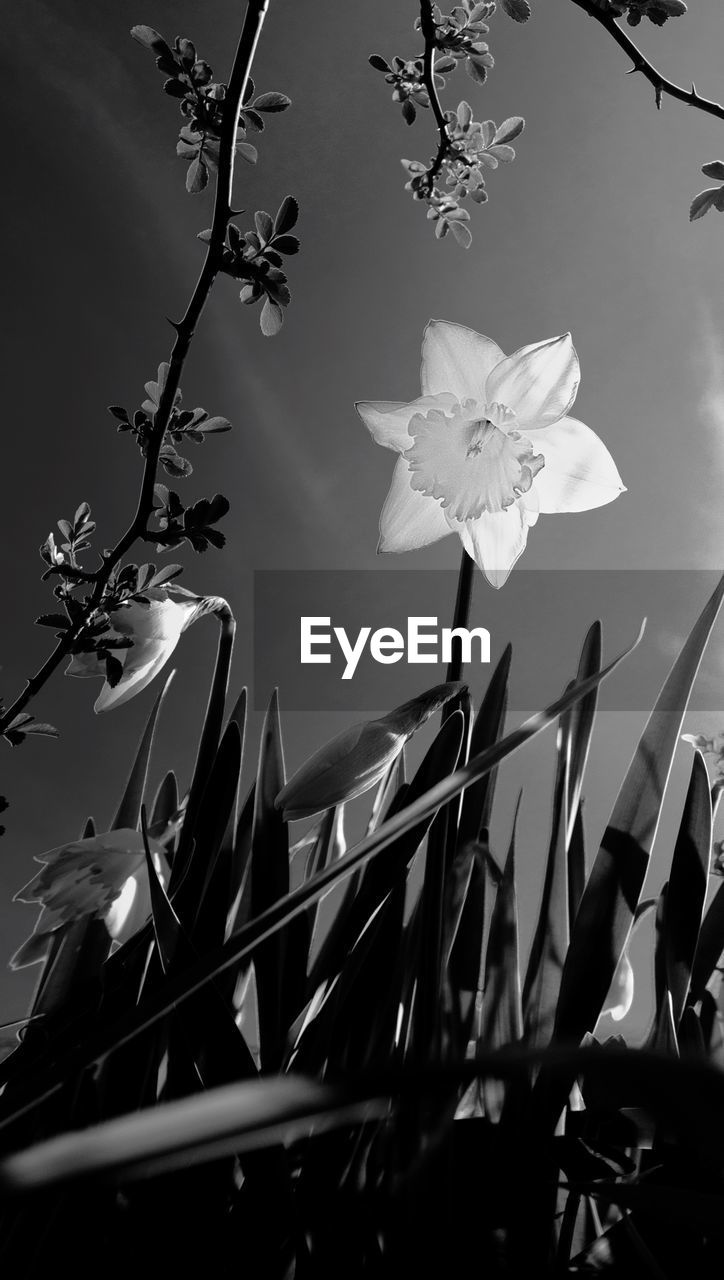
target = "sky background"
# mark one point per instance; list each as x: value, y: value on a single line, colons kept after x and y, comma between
x: 586, y: 231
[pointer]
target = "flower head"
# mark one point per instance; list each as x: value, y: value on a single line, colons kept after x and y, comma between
x: 487, y: 447
x: 88, y: 877
x: 153, y: 621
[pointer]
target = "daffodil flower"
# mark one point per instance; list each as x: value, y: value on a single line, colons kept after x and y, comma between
x: 487, y: 447
x: 87, y: 877
x: 154, y: 622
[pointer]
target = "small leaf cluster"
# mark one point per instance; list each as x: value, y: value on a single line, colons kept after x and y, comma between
x: 460, y: 37
x: 407, y: 81
x: 131, y: 580
x: 473, y: 146
x: 255, y: 259
x: 98, y: 638
x: 194, y: 524
x: 76, y: 539
x: 712, y: 197
x: 466, y: 147
x: 657, y: 11
x: 201, y: 98
x: 192, y: 425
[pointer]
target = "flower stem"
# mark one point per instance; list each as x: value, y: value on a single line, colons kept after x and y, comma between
x: 461, y: 615
x: 256, y: 11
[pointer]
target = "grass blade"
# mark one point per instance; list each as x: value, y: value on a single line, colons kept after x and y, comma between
x: 129, y: 810
x: 687, y: 887
x: 502, y: 1019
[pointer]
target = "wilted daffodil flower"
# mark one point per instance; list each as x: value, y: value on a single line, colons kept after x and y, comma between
x: 487, y: 447
x: 153, y: 621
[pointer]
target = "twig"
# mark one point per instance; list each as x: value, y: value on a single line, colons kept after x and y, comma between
x: 427, y: 26
x: 640, y: 63
x: 256, y: 11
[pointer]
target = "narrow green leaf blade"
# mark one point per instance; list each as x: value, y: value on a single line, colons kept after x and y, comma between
x: 606, y: 911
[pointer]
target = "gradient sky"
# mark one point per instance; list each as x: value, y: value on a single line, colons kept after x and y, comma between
x: 587, y: 231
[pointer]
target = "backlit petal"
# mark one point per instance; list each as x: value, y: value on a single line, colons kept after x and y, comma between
x: 457, y: 359
x: 137, y: 674
x: 531, y: 503
x: 162, y: 619
x: 538, y: 382
x: 387, y: 420
x: 496, y: 540
x: 579, y: 472
x: 409, y: 519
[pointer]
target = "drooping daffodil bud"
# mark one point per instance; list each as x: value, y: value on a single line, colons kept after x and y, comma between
x: 358, y: 757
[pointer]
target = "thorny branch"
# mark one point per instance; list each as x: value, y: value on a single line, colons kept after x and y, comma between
x: 256, y: 12
x: 660, y: 84
x: 427, y: 25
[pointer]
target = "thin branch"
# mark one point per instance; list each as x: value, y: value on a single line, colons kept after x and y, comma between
x: 648, y: 70
x: 256, y: 11
x: 427, y: 26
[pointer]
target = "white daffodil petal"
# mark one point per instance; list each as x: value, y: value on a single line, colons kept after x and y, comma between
x: 387, y: 420
x: 496, y: 540
x: 157, y: 620
x: 457, y: 359
x: 539, y: 382
x: 85, y: 664
x: 579, y: 472
x: 148, y: 661
x: 153, y: 621
x: 409, y: 519
x: 85, y: 876
x: 531, y: 502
